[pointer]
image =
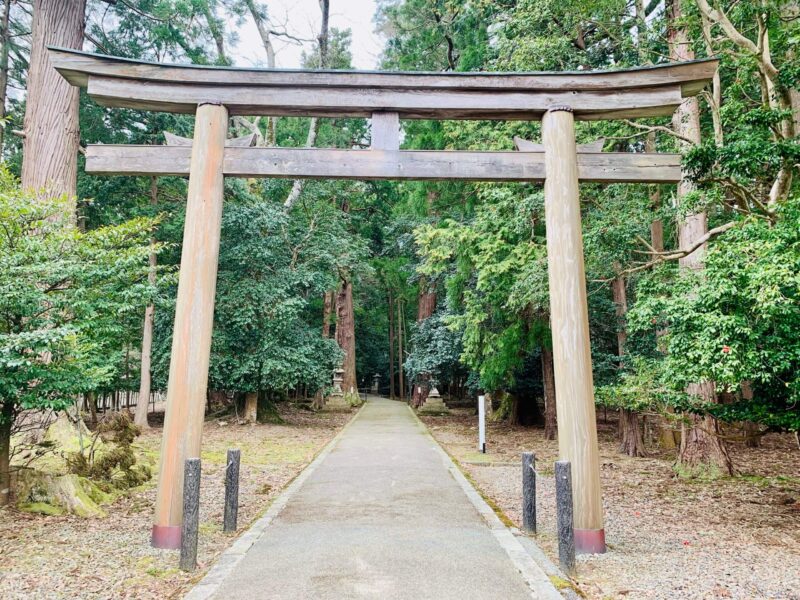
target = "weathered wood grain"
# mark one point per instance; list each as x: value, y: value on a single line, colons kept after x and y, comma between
x: 504, y: 104
x: 317, y: 163
x: 385, y: 131
x: 194, y: 315
x: 524, y: 145
x: 77, y: 67
x: 634, y: 93
x: 569, y: 322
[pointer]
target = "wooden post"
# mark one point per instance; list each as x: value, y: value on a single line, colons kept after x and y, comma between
x: 482, y: 424
x: 529, y: 492
x: 565, y: 516
x: 194, y: 313
x: 191, y: 509
x: 569, y: 319
x: 231, y: 491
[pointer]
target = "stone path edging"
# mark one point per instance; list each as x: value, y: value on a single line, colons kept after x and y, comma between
x: 536, y: 578
x: 226, y: 562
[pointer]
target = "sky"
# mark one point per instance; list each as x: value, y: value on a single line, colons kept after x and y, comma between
x: 302, y: 18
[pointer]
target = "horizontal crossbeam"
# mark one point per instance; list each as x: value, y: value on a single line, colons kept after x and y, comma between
x: 642, y: 92
x: 316, y: 163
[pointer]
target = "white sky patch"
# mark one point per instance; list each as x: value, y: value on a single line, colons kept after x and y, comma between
x: 301, y: 18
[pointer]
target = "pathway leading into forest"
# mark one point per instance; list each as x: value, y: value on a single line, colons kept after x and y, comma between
x: 380, y: 516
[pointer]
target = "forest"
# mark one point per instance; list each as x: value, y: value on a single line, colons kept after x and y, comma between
x: 693, y: 290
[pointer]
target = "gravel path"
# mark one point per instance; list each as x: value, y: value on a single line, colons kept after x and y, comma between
x: 72, y: 558
x: 668, y: 538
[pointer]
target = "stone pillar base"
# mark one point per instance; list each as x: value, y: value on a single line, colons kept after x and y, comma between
x: 433, y: 406
x: 336, y: 404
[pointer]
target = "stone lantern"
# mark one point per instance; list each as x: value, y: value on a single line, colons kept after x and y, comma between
x: 433, y: 404
x: 376, y: 384
x: 336, y: 401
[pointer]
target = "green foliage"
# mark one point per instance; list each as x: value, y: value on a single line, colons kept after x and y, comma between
x: 737, y: 321
x: 496, y: 283
x: 271, y: 265
x: 63, y: 297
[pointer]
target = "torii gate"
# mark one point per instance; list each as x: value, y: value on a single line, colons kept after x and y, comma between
x: 215, y: 93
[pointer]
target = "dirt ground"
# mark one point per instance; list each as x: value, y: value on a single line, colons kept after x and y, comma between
x: 55, y: 557
x: 668, y: 538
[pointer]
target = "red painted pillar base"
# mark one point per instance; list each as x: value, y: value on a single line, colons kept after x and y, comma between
x: 590, y: 541
x: 167, y: 537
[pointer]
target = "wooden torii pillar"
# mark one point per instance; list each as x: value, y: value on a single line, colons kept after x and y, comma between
x: 194, y: 320
x: 569, y: 323
x: 212, y: 93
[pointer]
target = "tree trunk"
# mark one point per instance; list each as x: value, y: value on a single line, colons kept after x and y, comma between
x: 400, y: 374
x: 391, y: 346
x: 751, y: 431
x: 327, y: 312
x: 140, y: 420
x: 426, y: 306
x: 313, y: 125
x: 346, y: 335
x: 701, y: 445
x: 5, y: 39
x: 91, y: 401
x: 549, y: 379
x: 632, y: 438
x: 251, y: 407
x: 7, y: 415
x: 702, y: 448
x: 631, y: 435
x: 50, y: 148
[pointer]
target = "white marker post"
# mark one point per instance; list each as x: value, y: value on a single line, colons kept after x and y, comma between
x: 482, y: 423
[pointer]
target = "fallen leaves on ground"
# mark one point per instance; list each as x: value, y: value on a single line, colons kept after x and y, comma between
x: 668, y: 537
x: 69, y: 557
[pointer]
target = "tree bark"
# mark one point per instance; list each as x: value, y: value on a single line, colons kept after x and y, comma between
x: 346, y: 335
x: 701, y: 446
x: 549, y: 379
x: 251, y: 407
x: 327, y: 312
x: 426, y: 306
x: 391, y: 346
x: 7, y: 414
x: 752, y: 437
x: 5, y: 39
x: 630, y: 434
x: 91, y: 401
x: 140, y: 419
x: 50, y: 147
x: 400, y: 374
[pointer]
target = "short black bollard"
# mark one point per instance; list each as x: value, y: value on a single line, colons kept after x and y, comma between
x: 566, y: 532
x: 191, y: 514
x: 231, y: 491
x: 529, y: 491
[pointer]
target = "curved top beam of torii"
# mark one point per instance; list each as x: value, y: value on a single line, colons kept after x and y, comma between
x: 593, y: 95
